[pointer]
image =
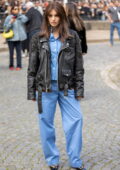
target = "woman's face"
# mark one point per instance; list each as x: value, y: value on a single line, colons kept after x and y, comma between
x: 53, y: 18
x: 15, y: 10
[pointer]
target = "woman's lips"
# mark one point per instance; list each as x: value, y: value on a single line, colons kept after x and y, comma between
x: 53, y: 22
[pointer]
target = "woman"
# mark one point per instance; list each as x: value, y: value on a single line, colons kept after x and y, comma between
x: 15, y: 21
x: 56, y: 72
x: 25, y: 43
x: 76, y: 23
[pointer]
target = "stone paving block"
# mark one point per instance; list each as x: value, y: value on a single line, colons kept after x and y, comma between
x: 11, y: 167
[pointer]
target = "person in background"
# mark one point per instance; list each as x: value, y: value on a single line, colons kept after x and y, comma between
x: 38, y: 6
x: 94, y: 10
x: 114, y: 18
x: 85, y: 11
x: 55, y: 74
x: 15, y: 21
x: 25, y: 43
x: 34, y: 20
x: 76, y: 23
x: 3, y: 7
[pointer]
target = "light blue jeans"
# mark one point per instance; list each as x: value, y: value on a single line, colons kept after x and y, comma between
x: 72, y: 125
x: 112, y: 28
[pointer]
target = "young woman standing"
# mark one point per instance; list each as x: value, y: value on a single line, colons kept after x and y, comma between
x: 56, y: 72
x: 15, y: 21
x: 77, y: 24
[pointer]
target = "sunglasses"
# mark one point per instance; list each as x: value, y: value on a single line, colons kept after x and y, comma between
x: 15, y: 8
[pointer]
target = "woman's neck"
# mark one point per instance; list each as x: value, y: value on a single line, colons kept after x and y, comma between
x: 55, y: 32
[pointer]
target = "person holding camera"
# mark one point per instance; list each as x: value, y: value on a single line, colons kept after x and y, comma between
x: 15, y: 21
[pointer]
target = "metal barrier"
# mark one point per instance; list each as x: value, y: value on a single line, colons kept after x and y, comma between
x: 2, y: 19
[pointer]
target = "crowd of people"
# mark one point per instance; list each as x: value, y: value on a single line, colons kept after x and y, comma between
x: 25, y: 20
x: 33, y: 11
x: 88, y: 9
x: 24, y: 23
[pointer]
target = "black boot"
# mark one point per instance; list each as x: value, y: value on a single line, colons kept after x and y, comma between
x: 54, y: 167
x: 80, y: 168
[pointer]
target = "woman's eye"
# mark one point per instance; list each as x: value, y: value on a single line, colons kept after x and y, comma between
x: 53, y: 16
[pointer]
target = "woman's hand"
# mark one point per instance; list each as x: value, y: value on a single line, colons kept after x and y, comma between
x: 33, y: 100
x: 12, y: 20
x: 79, y: 97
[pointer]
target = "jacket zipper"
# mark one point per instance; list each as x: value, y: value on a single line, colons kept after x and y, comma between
x: 46, y: 89
x: 58, y: 65
x: 58, y: 70
x: 46, y: 76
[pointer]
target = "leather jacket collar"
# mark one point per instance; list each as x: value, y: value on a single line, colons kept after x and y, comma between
x: 45, y: 45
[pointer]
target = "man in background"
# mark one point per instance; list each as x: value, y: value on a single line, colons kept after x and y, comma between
x: 114, y: 18
x: 34, y: 20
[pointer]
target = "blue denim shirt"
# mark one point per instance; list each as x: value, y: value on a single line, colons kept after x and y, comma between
x: 55, y: 45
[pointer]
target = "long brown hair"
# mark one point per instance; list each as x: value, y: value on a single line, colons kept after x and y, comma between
x: 63, y: 26
x: 73, y: 16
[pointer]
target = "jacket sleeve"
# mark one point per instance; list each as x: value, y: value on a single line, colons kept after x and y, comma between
x: 22, y: 18
x: 79, y: 70
x: 33, y: 67
x: 7, y: 25
x: 28, y: 15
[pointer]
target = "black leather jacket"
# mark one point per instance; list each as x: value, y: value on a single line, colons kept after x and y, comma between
x: 70, y: 66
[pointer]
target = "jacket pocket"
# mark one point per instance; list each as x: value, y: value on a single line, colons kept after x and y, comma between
x: 66, y: 73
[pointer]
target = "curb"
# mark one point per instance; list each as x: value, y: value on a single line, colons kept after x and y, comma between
x: 101, y: 40
x: 111, y: 76
x: 3, y: 49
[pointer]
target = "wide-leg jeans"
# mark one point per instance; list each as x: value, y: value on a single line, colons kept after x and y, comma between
x: 72, y: 124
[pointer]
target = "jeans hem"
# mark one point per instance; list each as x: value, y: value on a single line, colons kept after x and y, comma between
x: 53, y: 163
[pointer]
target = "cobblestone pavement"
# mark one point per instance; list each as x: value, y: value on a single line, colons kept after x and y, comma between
x: 20, y: 147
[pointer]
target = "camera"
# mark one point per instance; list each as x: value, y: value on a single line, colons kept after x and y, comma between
x: 14, y: 16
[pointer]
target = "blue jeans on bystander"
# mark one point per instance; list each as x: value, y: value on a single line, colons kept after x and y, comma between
x: 112, y: 28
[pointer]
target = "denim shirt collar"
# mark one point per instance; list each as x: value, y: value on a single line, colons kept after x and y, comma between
x: 52, y: 38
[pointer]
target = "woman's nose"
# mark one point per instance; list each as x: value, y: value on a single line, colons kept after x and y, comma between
x: 53, y: 18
